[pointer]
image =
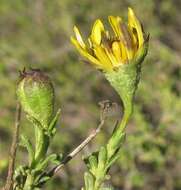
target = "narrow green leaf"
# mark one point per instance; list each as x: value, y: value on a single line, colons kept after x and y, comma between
x: 25, y: 142
x: 42, y: 165
x: 93, y: 163
x: 44, y: 179
x: 115, y: 143
x: 89, y: 181
x: 102, y: 158
x: 53, y: 122
x: 42, y: 143
x: 113, y: 159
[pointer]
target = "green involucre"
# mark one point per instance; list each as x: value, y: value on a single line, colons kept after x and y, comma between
x: 36, y: 95
x: 126, y: 78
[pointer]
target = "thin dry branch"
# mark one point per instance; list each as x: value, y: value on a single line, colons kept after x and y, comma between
x: 80, y: 147
x: 12, y: 156
x: 106, y: 107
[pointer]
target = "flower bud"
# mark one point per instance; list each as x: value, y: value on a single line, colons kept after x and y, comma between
x: 35, y: 92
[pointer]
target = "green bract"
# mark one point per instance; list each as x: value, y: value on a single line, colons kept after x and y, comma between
x: 126, y: 78
x: 36, y: 95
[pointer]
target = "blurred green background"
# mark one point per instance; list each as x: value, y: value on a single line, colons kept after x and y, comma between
x: 35, y: 33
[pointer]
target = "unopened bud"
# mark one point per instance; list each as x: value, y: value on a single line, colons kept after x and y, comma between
x: 36, y: 94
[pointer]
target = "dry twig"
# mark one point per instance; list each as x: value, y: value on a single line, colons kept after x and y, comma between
x: 106, y: 107
x: 12, y: 156
x: 80, y: 147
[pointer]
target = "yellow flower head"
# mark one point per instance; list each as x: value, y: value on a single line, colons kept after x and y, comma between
x: 107, y: 52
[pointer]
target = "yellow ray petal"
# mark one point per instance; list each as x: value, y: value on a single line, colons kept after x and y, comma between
x: 90, y: 43
x: 84, y: 53
x: 115, y: 24
x: 128, y: 42
x: 130, y: 53
x: 124, y: 56
x: 97, y: 30
x: 134, y: 23
x: 104, y: 59
x: 79, y: 37
x: 116, y: 51
x: 112, y: 58
x: 134, y: 38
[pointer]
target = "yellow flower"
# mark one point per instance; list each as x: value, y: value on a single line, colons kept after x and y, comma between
x: 106, y: 51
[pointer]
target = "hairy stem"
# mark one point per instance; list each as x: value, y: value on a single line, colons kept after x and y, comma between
x: 29, y: 182
x: 42, y: 144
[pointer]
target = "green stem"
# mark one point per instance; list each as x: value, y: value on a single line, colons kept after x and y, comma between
x: 117, y: 136
x: 29, y: 182
x: 97, y: 184
x: 98, y: 181
x: 112, y: 146
x: 42, y: 144
x: 128, y: 108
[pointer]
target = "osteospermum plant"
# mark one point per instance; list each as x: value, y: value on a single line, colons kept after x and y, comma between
x: 118, y: 54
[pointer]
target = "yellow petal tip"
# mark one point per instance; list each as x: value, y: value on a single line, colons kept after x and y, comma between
x: 75, y: 29
x: 130, y: 11
x: 97, y: 30
x: 78, y: 37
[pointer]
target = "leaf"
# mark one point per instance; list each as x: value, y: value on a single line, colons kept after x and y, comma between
x: 42, y: 143
x: 25, y: 142
x: 20, y: 175
x: 53, y: 158
x: 115, y: 128
x: 53, y: 123
x: 113, y: 159
x: 89, y: 181
x: 86, y: 159
x: 93, y: 163
x: 102, y: 158
x: 43, y: 180
x: 53, y: 132
x: 115, y: 143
